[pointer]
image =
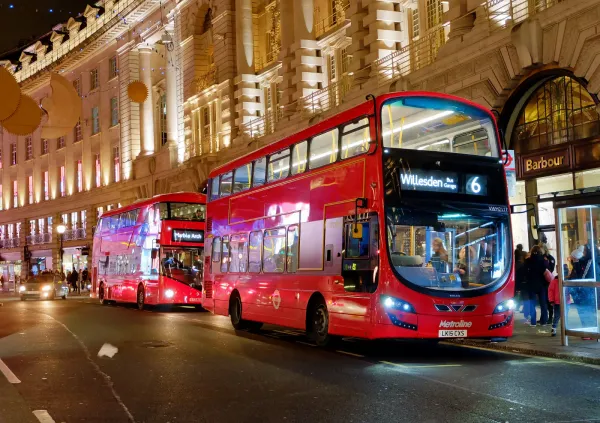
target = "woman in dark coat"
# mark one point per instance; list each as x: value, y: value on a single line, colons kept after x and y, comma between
x: 536, y: 284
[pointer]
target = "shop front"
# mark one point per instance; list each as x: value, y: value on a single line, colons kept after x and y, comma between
x: 41, y: 260
x: 73, y: 259
x: 10, y: 270
x: 554, y: 129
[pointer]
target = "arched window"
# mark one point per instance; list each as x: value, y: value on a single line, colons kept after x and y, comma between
x: 559, y: 111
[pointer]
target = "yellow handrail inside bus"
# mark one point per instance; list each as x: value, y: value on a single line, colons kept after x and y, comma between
x: 333, y: 154
x: 401, y: 131
x: 389, y: 107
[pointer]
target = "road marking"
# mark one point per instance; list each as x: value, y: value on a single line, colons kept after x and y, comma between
x: 418, y: 366
x: 8, y: 373
x: 43, y: 416
x: 349, y: 353
x: 305, y: 343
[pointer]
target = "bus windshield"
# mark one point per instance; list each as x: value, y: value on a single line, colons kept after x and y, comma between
x: 182, y: 264
x: 449, y: 250
x: 438, y: 124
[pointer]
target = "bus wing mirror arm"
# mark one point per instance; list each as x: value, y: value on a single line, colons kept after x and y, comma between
x: 356, y: 228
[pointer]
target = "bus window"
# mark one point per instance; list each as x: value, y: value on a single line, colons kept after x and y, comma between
x: 225, y: 187
x: 299, y: 158
x: 260, y: 172
x: 225, y: 259
x: 274, y: 251
x: 292, y: 248
x: 254, y: 251
x: 133, y: 216
x: 324, y: 149
x: 182, y: 264
x: 360, y: 262
x: 187, y: 211
x: 114, y: 222
x: 358, y: 248
x: 239, y: 254
x: 163, y: 211
x: 241, y: 179
x: 355, y: 139
x: 279, y: 165
x: 214, y: 188
x: 472, y: 142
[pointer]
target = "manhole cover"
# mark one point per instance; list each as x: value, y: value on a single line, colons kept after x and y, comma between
x: 156, y: 344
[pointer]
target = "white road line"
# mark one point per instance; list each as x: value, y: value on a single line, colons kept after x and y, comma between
x: 349, y: 353
x: 43, y: 416
x: 305, y: 343
x: 8, y: 373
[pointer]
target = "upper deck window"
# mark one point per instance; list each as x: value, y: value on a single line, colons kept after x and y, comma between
x: 279, y: 165
x: 437, y: 124
x: 185, y: 211
x: 241, y: 179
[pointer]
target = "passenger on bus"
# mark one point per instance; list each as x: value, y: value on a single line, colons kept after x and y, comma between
x: 465, y: 266
x: 439, y: 259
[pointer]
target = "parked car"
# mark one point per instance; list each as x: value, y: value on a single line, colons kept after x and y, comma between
x: 46, y: 286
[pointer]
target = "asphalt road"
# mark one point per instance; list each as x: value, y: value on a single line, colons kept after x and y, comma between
x: 188, y: 366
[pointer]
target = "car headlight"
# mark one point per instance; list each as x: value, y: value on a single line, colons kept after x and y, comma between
x: 22, y: 288
x: 505, y: 306
x: 46, y: 288
x: 89, y: 287
x: 397, y: 304
x: 169, y: 293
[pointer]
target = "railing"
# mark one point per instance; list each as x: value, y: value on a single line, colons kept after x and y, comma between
x: 74, y: 234
x: 414, y: 56
x: 328, y: 97
x: 504, y: 13
x: 263, y: 125
x: 10, y: 243
x: 205, y: 80
x: 39, y: 239
x: 333, y: 21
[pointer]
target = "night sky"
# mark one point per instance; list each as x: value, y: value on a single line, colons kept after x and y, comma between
x: 21, y: 20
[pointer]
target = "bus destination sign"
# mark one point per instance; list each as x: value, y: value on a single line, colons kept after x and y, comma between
x: 187, y: 235
x: 440, y: 181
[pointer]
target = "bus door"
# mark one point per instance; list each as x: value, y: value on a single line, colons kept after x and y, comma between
x: 360, y: 266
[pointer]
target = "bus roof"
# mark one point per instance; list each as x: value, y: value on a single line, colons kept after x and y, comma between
x: 362, y: 109
x: 176, y: 197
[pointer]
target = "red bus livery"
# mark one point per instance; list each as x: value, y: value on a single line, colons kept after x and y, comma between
x: 389, y: 220
x: 151, y: 252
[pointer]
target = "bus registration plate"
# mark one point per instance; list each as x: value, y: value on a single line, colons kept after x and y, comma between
x: 453, y: 333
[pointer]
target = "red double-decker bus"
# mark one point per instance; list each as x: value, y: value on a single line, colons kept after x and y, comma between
x: 151, y: 252
x: 389, y: 220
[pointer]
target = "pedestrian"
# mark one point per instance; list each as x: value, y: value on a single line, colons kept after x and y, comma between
x: 2, y: 282
x: 520, y: 286
x: 535, y: 269
x: 550, y: 263
x: 554, y: 299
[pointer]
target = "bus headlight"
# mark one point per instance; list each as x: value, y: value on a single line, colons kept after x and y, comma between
x: 169, y: 293
x: 46, y: 288
x: 22, y: 288
x: 397, y: 304
x: 505, y: 306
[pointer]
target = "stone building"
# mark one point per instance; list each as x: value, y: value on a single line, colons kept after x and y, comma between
x: 228, y: 76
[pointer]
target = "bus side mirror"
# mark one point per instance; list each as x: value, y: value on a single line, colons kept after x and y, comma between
x: 357, y: 230
x: 154, y: 253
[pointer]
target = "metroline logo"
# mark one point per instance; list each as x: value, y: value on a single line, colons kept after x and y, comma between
x: 450, y: 324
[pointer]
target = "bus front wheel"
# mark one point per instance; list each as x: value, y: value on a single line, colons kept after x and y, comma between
x: 140, y: 297
x: 318, y: 324
x: 235, y: 313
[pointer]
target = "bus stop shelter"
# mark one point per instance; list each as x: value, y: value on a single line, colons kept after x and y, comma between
x: 577, y: 217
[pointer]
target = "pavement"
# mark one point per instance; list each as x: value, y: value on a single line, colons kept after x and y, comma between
x: 187, y: 366
x: 538, y: 342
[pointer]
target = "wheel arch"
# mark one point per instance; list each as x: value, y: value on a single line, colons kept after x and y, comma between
x: 315, y: 298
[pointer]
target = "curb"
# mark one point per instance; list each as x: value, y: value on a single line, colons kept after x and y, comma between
x: 512, y: 348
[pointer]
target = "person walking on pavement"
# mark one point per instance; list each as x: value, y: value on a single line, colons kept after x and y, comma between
x: 535, y: 269
x: 554, y: 299
x: 520, y: 286
x: 550, y: 263
x: 84, y: 278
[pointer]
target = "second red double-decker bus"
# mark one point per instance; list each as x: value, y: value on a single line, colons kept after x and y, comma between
x: 151, y: 252
x: 389, y: 220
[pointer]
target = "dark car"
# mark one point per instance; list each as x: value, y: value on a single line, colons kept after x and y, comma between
x: 44, y: 287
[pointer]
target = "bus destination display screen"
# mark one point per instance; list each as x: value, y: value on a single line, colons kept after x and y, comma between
x: 441, y: 181
x: 187, y: 235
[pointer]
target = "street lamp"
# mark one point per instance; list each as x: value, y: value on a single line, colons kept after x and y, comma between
x: 61, y: 230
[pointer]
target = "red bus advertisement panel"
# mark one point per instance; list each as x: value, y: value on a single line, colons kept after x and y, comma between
x: 389, y: 220
x: 151, y: 252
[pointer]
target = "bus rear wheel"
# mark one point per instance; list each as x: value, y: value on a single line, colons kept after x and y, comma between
x: 235, y: 314
x: 318, y: 324
x: 140, y: 297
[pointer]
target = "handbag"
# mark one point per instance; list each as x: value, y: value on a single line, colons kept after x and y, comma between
x: 548, y: 276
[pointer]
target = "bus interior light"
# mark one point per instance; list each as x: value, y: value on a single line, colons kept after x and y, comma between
x: 505, y: 306
x: 397, y: 304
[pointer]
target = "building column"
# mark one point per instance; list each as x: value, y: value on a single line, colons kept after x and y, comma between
x: 245, y: 82
x: 147, y: 120
x: 171, y: 80
x: 307, y: 62
x: 461, y: 23
x: 286, y: 54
